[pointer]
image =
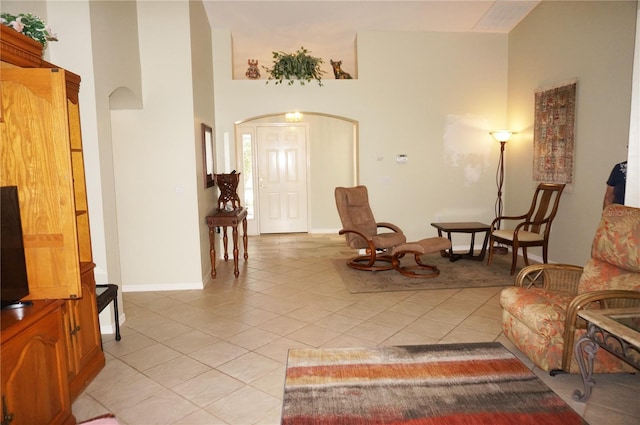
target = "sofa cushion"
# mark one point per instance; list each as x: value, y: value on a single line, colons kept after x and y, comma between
x: 541, y: 311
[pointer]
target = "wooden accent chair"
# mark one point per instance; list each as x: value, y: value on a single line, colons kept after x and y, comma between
x: 540, y: 313
x: 383, y: 249
x: 534, y: 227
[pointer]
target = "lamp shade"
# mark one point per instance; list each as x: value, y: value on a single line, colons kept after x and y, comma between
x: 501, y: 135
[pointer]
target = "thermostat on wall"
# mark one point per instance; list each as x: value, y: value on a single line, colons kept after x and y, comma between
x: 402, y: 159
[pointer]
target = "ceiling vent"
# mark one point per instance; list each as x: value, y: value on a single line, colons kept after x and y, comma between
x: 503, y: 16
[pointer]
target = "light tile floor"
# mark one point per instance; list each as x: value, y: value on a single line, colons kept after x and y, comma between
x: 218, y: 355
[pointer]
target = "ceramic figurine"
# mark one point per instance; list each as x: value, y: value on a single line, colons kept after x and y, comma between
x: 338, y: 72
x: 253, y: 73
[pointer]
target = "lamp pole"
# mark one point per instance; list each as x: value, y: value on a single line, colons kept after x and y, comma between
x: 501, y: 136
x: 500, y: 182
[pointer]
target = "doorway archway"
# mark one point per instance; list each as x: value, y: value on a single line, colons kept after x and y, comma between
x: 331, y: 160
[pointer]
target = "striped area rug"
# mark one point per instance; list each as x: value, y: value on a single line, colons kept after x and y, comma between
x: 452, y: 384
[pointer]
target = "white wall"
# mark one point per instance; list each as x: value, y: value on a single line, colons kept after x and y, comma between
x: 432, y: 96
x: 116, y: 79
x: 154, y: 151
x: 632, y: 194
x: 203, y: 109
x: 558, y: 41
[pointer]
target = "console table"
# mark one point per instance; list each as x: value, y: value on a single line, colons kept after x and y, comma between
x: 472, y: 227
x: 615, y: 330
x: 223, y: 218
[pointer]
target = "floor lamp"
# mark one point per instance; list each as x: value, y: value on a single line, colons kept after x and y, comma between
x: 501, y: 136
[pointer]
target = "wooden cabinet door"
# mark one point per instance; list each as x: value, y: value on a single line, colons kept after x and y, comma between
x: 34, y: 374
x: 36, y: 157
x: 86, y: 358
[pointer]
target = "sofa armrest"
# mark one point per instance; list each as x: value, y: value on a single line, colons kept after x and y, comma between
x: 612, y: 298
x: 553, y: 277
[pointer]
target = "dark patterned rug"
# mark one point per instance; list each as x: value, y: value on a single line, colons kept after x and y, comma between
x: 447, y: 384
x: 459, y: 274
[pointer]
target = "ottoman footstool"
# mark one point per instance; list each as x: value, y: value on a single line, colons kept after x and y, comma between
x: 419, y: 248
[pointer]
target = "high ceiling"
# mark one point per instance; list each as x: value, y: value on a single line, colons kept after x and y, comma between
x: 328, y: 28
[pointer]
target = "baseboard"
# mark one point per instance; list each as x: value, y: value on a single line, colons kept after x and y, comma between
x: 110, y: 327
x: 162, y: 287
x: 324, y: 231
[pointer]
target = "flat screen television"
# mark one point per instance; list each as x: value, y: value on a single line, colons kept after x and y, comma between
x: 13, y: 267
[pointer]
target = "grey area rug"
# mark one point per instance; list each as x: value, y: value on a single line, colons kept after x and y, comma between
x: 459, y: 274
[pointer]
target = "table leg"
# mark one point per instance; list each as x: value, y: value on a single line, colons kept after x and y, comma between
x: 212, y: 250
x: 484, y: 246
x: 225, y: 240
x: 234, y: 234
x: 117, y: 317
x: 586, y: 367
x: 480, y: 256
x: 245, y: 239
x: 473, y: 242
x: 443, y: 253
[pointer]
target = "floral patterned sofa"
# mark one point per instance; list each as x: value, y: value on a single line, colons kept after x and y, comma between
x: 540, y: 312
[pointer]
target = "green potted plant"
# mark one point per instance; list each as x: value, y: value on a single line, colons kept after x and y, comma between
x: 30, y: 25
x: 295, y: 66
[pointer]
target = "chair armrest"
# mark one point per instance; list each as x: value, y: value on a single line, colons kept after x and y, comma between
x: 362, y: 235
x: 625, y: 298
x: 552, y: 277
x: 370, y: 246
x: 389, y: 226
x: 505, y: 217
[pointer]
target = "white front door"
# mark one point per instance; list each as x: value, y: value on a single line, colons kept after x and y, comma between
x: 282, y: 178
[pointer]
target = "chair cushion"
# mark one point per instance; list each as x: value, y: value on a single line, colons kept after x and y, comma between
x: 388, y: 240
x: 423, y: 246
x: 598, y: 275
x: 618, y: 237
x: 523, y: 236
x: 615, y: 257
x: 544, y: 352
x: 542, y: 311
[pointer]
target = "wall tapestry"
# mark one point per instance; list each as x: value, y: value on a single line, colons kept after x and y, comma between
x: 554, y: 134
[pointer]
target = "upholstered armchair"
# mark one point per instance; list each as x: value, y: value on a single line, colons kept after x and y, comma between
x: 384, y: 243
x: 362, y: 231
x: 540, y: 312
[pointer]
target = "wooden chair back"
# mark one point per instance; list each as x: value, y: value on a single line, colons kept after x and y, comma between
x: 544, y: 207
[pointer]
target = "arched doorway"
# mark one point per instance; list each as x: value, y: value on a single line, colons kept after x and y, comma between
x: 330, y: 160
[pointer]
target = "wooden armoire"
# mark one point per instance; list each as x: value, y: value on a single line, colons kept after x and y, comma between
x: 51, y: 351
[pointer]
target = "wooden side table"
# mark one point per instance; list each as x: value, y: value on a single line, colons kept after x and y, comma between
x: 472, y: 227
x: 223, y: 219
